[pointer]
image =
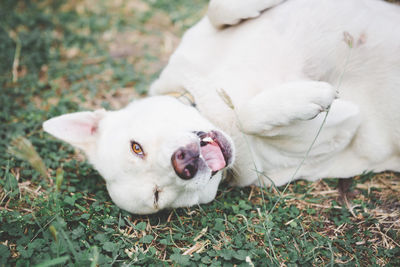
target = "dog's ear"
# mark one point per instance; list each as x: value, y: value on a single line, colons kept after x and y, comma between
x: 80, y: 129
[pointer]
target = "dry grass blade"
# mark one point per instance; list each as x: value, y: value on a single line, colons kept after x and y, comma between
x: 196, y: 248
x: 226, y: 98
x: 23, y: 149
x: 16, y: 56
x: 203, y: 232
x: 14, y: 36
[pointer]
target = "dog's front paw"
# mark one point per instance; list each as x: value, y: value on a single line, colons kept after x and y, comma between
x: 284, y: 105
x: 310, y: 99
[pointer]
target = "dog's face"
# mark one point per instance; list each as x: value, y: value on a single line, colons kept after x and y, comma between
x: 156, y: 153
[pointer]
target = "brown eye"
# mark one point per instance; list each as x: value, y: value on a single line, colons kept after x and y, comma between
x: 137, y: 149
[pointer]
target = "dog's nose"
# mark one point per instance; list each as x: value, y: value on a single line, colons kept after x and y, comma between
x: 185, y: 161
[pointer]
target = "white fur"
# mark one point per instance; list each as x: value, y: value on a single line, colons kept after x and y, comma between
x: 230, y: 12
x: 282, y: 70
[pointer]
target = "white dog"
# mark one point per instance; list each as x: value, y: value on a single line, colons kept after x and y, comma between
x: 281, y: 71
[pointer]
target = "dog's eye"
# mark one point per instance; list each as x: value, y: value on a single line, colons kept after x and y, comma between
x: 137, y: 149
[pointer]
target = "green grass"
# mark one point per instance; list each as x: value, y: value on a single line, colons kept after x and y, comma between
x: 79, y: 55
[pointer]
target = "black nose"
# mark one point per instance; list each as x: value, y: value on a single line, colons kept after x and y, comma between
x: 185, y: 161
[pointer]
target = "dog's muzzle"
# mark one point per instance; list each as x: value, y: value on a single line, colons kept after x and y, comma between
x: 212, y: 151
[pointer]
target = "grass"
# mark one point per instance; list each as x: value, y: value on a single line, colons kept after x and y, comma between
x: 54, y: 209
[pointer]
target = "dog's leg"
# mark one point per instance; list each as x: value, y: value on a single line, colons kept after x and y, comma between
x: 283, y: 105
x: 231, y: 12
x: 290, y: 116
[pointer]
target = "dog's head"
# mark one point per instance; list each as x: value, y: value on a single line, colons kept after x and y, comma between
x: 156, y: 153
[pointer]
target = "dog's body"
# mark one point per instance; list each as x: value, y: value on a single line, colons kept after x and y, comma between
x: 270, y: 66
x: 280, y: 71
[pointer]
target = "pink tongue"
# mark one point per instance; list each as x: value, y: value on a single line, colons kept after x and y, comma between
x: 213, y: 156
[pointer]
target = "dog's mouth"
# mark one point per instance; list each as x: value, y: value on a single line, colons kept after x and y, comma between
x: 215, y: 150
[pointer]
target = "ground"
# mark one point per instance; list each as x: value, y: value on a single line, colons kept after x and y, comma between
x: 58, y: 57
